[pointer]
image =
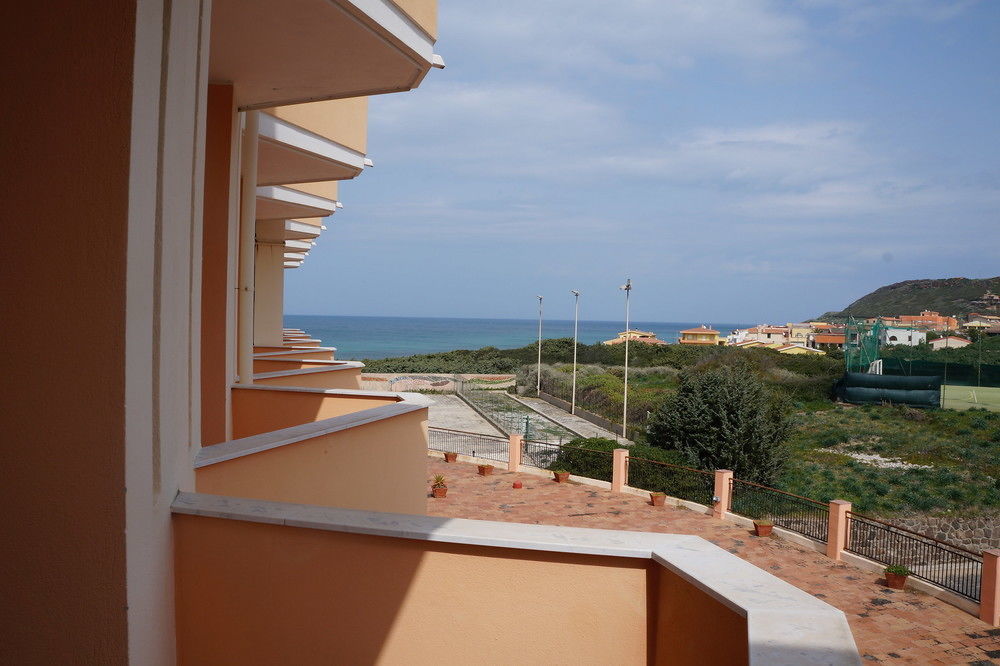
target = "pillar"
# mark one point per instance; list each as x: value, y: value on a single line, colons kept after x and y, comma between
x: 619, y: 470
x: 989, y: 588
x: 836, y: 540
x: 723, y: 489
x: 514, y: 453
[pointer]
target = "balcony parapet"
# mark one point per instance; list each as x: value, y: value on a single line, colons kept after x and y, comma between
x: 687, y: 607
x: 337, y: 375
x: 246, y: 446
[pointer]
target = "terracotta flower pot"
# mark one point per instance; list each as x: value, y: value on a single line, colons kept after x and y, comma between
x: 517, y: 485
x: 439, y: 492
x: 895, y: 581
x: 560, y: 477
x: 485, y: 470
x: 451, y: 456
x: 657, y: 499
x: 762, y: 529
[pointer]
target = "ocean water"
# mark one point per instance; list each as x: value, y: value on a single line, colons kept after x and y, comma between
x: 359, y: 338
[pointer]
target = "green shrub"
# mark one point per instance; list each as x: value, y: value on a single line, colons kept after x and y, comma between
x: 724, y: 418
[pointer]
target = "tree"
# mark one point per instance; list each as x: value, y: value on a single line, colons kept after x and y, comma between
x: 724, y: 418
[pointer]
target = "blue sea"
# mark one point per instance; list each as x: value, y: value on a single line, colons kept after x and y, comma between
x: 359, y: 338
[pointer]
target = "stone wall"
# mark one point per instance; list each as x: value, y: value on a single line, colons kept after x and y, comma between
x: 980, y: 531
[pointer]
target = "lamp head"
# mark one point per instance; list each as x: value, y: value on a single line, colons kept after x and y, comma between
x: 574, y: 292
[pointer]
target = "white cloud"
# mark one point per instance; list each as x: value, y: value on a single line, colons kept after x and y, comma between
x: 635, y: 38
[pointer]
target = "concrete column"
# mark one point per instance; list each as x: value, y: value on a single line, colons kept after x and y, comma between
x: 723, y: 488
x: 514, y: 453
x: 836, y: 540
x: 619, y: 470
x: 269, y: 289
x: 989, y: 588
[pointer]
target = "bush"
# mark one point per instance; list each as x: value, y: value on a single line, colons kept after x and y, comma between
x: 724, y: 418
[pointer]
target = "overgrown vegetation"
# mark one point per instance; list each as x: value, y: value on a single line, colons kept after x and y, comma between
x: 724, y: 418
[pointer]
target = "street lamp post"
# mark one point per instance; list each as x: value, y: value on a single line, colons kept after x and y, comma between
x: 538, y: 371
x: 627, y: 288
x: 576, y: 329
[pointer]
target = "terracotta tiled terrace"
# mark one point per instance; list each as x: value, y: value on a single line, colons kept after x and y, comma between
x: 889, y: 626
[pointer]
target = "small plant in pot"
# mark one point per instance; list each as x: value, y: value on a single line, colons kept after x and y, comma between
x: 895, y: 576
x: 560, y: 475
x: 439, y: 488
x: 763, y: 527
x: 485, y: 470
x: 657, y: 499
x: 451, y: 456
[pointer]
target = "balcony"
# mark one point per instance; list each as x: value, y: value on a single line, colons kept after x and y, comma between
x: 273, y: 582
x: 322, y: 447
x: 316, y: 374
x: 278, y: 52
x: 291, y: 351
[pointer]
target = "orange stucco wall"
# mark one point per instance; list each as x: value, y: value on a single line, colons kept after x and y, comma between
x: 345, y: 378
x: 381, y: 466
x: 215, y: 263
x: 272, y: 364
x: 322, y: 355
x: 256, y: 411
x: 66, y: 146
x: 423, y: 13
x: 251, y: 593
x: 684, y: 612
x: 344, y: 121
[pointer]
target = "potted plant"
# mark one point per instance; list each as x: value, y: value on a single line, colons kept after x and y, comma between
x: 485, y: 470
x: 657, y: 499
x: 763, y: 527
x: 451, y: 456
x: 895, y: 576
x: 560, y: 475
x: 439, y: 488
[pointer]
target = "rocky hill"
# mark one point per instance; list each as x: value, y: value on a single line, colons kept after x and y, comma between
x: 950, y: 296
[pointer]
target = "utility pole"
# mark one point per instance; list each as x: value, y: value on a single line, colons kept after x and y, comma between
x: 538, y: 371
x: 576, y: 329
x: 627, y: 288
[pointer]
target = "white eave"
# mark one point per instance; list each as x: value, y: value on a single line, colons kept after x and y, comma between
x: 288, y: 153
x: 300, y: 230
x: 277, y: 52
x: 297, y: 246
x: 276, y: 203
x: 292, y: 264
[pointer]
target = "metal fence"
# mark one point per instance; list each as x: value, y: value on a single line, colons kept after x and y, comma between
x: 943, y: 564
x: 589, y: 463
x: 472, y: 444
x: 792, y: 512
x: 686, y: 483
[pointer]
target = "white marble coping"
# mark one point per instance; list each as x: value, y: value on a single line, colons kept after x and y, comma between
x: 298, y: 340
x: 340, y: 365
x: 293, y: 350
x: 785, y: 626
x: 321, y: 361
x: 237, y: 448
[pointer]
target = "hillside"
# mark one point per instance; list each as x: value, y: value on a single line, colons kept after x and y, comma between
x: 949, y: 296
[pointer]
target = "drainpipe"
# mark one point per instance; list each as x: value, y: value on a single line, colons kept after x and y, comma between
x: 248, y: 234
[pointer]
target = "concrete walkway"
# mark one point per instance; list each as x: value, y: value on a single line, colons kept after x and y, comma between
x: 569, y: 421
x: 448, y: 411
x: 890, y: 626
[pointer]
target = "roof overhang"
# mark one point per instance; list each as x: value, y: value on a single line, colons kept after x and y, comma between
x: 279, y: 203
x: 287, y: 231
x: 290, y: 154
x: 277, y: 52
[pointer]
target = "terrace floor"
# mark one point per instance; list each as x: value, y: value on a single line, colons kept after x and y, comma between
x: 889, y: 626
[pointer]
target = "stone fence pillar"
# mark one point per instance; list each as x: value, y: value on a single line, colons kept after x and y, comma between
x: 723, y: 489
x: 619, y: 470
x: 514, y: 453
x: 836, y: 535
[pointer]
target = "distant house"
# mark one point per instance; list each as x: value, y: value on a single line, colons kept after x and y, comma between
x: 910, y: 337
x: 798, y: 334
x: 927, y: 320
x: 950, y: 342
x: 702, y: 335
x: 634, y: 335
x: 829, y: 340
x: 798, y: 349
x: 767, y: 334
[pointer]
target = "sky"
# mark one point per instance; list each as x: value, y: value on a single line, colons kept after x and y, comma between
x: 739, y: 160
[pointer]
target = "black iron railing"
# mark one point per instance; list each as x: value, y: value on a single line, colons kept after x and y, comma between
x: 491, y: 447
x: 943, y: 564
x: 792, y: 512
x: 694, y: 485
x: 576, y: 460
